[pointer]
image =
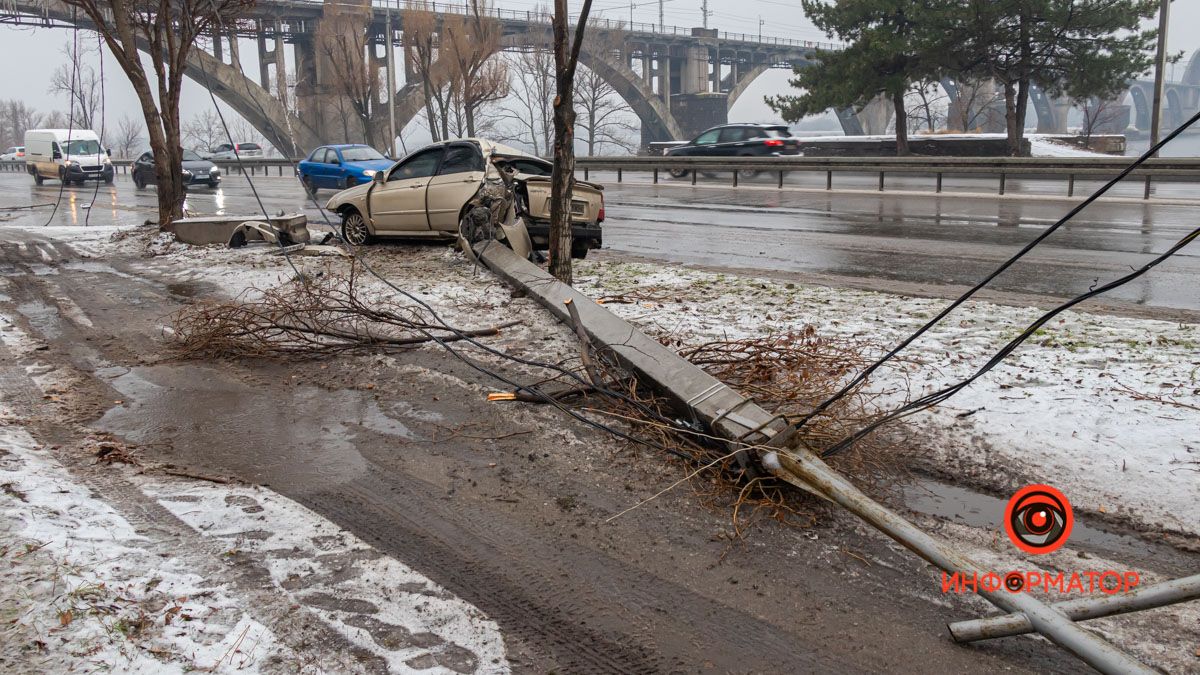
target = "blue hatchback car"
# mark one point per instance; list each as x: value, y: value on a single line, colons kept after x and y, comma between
x: 337, y: 167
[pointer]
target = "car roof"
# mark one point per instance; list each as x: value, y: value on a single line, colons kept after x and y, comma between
x: 342, y: 146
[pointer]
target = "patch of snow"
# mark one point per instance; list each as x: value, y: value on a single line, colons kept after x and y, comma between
x: 83, y: 591
x: 1105, y: 408
x: 309, y: 557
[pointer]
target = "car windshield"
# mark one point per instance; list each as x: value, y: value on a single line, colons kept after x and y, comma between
x: 83, y: 147
x: 360, y: 154
x: 189, y: 156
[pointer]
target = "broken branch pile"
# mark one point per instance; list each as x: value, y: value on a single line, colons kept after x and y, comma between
x: 318, y: 317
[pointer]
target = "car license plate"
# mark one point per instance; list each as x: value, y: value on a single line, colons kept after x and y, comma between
x: 578, y: 207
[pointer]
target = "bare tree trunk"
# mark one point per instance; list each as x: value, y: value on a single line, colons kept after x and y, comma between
x: 1022, y: 111
x: 1010, y: 119
x: 901, y: 124
x: 562, y: 179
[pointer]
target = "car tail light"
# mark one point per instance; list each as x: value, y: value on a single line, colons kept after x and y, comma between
x: 600, y: 216
x: 773, y: 143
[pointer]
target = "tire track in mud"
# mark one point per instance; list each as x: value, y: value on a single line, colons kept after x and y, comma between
x: 580, y: 605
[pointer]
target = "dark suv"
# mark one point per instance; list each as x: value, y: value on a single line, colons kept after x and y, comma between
x: 738, y: 140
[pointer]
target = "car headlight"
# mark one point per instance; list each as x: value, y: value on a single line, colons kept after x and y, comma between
x: 68, y: 163
x: 187, y: 174
x: 214, y: 171
x: 368, y: 173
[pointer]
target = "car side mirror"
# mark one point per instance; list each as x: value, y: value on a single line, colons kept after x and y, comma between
x: 379, y: 177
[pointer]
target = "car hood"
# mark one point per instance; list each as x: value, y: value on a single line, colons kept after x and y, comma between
x: 198, y: 165
x: 371, y: 164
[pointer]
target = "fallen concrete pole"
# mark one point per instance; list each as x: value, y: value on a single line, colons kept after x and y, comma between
x: 1082, y: 609
x: 736, y: 418
x: 1056, y: 627
x: 708, y: 400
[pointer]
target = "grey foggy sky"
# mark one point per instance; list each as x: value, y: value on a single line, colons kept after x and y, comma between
x: 32, y: 54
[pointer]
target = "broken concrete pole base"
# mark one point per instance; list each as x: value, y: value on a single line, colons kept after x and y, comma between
x: 205, y: 230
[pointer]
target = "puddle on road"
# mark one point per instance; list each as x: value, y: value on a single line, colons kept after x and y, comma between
x: 44, y: 318
x: 975, y: 509
x: 302, y: 437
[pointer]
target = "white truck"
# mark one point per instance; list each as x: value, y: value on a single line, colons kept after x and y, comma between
x: 69, y: 155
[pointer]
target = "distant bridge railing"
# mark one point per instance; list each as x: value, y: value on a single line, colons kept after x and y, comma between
x: 1170, y: 169
x: 539, y: 16
x: 1066, y: 168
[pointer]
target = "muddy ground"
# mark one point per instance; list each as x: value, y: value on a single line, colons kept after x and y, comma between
x: 505, y: 505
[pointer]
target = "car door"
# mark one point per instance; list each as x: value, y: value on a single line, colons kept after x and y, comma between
x: 456, y: 181
x: 398, y: 204
x: 311, y: 167
x: 730, y: 142
x: 702, y: 145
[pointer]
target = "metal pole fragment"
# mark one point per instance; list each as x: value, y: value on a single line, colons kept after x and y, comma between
x: 809, y: 469
x: 1082, y: 609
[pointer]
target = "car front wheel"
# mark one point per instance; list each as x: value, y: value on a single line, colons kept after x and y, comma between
x: 354, y: 228
x: 678, y: 173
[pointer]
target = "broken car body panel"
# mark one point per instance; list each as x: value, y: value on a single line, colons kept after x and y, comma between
x: 429, y: 192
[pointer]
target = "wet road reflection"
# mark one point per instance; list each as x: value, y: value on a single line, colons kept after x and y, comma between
x: 880, y: 241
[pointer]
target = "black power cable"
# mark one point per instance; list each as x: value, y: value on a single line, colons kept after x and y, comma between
x: 461, y: 335
x: 87, y: 218
x: 858, y: 379
x: 62, y: 184
x: 936, y: 397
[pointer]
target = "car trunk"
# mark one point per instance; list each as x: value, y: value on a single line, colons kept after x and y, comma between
x: 585, y: 199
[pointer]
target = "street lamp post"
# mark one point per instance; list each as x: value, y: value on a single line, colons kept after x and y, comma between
x: 1160, y: 67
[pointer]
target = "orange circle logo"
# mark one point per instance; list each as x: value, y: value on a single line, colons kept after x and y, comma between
x: 1038, y: 519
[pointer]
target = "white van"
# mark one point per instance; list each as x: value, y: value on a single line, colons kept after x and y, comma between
x: 69, y: 155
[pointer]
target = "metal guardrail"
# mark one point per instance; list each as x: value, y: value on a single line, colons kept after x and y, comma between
x: 282, y: 166
x: 1185, y: 170
x: 1068, y: 168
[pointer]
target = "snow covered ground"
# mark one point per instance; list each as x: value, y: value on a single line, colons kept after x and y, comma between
x: 87, y: 583
x: 1041, y: 145
x: 1105, y: 408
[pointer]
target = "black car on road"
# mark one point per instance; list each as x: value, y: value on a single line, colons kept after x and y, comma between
x: 738, y: 140
x: 196, y: 170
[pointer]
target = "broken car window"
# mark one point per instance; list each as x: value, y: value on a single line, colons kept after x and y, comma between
x: 462, y: 159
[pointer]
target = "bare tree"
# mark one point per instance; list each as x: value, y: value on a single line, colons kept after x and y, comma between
x: 55, y: 119
x: 470, y: 41
x: 16, y: 117
x: 927, y: 107
x: 128, y: 140
x: 605, y: 118
x: 169, y: 30
x: 566, y: 59
x: 358, y: 80
x: 204, y: 131
x: 1099, y: 116
x: 973, y: 106
x: 244, y: 132
x: 528, y: 110
x: 79, y: 83
x: 420, y: 56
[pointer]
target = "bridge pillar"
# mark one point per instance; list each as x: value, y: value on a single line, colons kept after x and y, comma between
x: 337, y: 44
x: 699, y: 111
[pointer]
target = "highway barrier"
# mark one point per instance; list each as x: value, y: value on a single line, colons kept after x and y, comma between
x: 1066, y: 169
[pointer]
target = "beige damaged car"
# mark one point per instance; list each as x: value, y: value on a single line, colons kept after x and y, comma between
x: 429, y: 193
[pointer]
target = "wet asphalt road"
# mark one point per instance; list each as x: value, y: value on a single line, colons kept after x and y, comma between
x: 919, y: 244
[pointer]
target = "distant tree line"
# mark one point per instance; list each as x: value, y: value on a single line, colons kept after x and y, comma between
x: 1084, y: 49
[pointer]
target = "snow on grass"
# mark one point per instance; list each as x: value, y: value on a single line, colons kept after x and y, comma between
x: 1105, y: 408
x: 378, y: 602
x: 82, y: 590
